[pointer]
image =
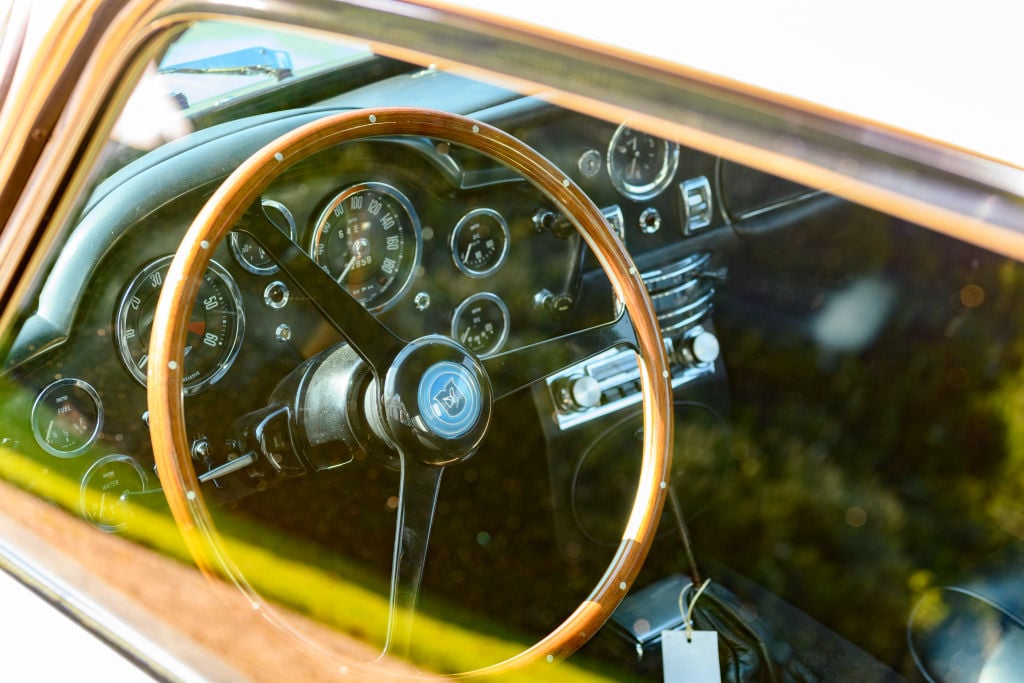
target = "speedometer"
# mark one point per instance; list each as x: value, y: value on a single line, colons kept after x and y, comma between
x: 368, y: 239
x: 215, y: 328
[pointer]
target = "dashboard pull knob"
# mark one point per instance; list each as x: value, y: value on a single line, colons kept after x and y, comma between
x: 579, y: 393
x: 701, y: 348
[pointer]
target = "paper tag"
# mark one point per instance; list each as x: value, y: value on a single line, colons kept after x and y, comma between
x: 693, y: 661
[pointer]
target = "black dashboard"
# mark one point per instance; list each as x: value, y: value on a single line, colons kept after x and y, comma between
x: 432, y: 238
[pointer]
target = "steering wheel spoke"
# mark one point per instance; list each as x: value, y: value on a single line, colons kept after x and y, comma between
x: 371, y: 339
x: 513, y: 370
x: 417, y: 498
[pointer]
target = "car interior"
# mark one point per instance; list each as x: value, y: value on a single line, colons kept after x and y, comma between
x: 847, y: 465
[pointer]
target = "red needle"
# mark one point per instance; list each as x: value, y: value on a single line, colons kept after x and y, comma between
x: 197, y: 327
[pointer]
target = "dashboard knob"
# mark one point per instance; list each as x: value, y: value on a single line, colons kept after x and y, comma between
x: 586, y: 392
x: 701, y: 348
x: 579, y: 393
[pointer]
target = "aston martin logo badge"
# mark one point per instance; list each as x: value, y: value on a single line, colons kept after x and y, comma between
x: 450, y: 399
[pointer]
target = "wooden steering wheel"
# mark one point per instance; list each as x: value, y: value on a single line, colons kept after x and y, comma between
x: 404, y: 372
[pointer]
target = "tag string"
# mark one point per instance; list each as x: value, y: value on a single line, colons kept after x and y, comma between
x: 687, y: 611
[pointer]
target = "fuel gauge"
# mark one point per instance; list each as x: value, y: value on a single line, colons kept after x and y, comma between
x: 480, y: 323
x: 67, y: 417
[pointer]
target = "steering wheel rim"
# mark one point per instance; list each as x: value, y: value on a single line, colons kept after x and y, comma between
x: 244, y: 186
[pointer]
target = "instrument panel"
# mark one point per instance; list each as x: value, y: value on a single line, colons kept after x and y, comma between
x: 431, y: 238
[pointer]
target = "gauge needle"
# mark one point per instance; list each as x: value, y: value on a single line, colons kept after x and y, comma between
x: 633, y: 173
x: 344, y: 272
x: 469, y: 250
x: 197, y: 327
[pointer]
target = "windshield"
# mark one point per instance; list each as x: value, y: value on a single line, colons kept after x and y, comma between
x: 213, y: 66
x: 215, y: 61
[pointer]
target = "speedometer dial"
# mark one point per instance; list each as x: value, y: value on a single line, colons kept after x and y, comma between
x: 368, y: 239
x: 641, y: 166
x: 214, y: 331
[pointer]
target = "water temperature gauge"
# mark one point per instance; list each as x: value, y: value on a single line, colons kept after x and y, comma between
x: 480, y: 323
x: 105, y: 489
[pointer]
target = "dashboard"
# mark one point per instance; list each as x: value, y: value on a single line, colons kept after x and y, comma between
x: 431, y: 238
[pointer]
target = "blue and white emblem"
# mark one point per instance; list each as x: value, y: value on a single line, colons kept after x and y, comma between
x: 449, y: 399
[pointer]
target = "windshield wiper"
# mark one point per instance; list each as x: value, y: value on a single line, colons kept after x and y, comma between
x: 251, y: 61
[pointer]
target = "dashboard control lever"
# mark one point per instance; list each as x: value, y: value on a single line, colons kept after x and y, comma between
x: 714, y: 274
x: 265, y: 433
x: 241, y: 462
x: 554, y: 304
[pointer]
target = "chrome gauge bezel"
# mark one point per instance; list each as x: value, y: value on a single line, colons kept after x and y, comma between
x: 465, y: 223
x: 665, y: 174
x: 230, y: 347
x: 84, y: 489
x: 392, y: 293
x: 237, y: 241
x: 461, y: 309
x: 48, y: 391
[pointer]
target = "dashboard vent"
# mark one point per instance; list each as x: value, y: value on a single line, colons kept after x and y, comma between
x: 681, y: 294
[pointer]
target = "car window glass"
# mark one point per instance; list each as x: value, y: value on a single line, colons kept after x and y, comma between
x: 846, y: 395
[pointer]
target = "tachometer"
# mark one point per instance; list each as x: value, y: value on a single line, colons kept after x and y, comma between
x: 368, y: 239
x: 214, y: 331
x: 641, y: 166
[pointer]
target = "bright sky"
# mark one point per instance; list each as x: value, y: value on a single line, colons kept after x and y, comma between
x: 944, y: 69
x: 947, y: 70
